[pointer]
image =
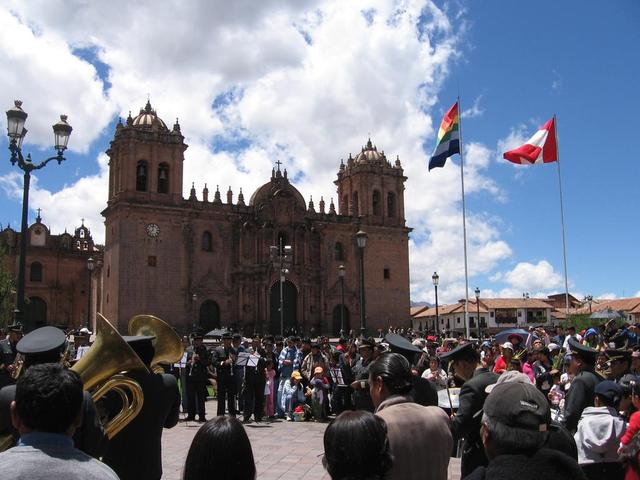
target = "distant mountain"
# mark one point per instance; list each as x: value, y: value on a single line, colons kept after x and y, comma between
x: 421, y: 304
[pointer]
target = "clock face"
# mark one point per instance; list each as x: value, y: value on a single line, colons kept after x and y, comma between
x: 153, y: 230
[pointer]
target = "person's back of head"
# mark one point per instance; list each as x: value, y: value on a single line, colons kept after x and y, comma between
x: 356, y: 447
x: 48, y: 399
x: 220, y: 449
x: 393, y: 371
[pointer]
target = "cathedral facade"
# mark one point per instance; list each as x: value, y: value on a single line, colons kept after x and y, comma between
x: 205, y: 262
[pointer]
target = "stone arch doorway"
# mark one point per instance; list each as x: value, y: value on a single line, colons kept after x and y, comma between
x: 36, y: 312
x: 337, y: 320
x: 290, y: 307
x: 209, y: 316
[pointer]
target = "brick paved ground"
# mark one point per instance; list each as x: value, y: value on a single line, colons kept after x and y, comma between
x: 300, y: 459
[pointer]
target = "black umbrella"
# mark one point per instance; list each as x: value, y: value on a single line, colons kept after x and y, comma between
x: 217, y: 332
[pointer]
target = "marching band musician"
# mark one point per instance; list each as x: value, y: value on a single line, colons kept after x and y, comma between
x: 47, y: 345
x: 135, y: 452
x: 8, y: 351
x: 224, y: 359
x: 197, y: 363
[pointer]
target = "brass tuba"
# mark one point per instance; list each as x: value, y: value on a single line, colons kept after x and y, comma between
x: 101, y: 370
x: 167, y: 344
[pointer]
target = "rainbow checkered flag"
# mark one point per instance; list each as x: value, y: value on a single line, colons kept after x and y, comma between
x: 448, y: 138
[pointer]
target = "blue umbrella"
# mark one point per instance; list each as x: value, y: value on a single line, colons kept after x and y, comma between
x: 505, y: 334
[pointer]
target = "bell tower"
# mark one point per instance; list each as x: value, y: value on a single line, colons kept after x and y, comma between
x: 369, y: 186
x: 145, y: 160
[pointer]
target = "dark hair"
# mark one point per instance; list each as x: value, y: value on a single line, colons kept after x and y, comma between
x: 220, y: 449
x: 48, y: 398
x: 395, y: 371
x: 356, y: 447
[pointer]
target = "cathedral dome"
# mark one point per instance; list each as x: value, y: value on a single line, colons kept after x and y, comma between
x: 148, y: 118
x: 370, y: 154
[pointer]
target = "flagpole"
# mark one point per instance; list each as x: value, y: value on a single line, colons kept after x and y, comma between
x: 464, y: 227
x: 564, y: 242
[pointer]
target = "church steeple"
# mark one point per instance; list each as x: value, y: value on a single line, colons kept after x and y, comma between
x: 370, y: 187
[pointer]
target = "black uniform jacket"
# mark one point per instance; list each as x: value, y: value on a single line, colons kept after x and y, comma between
x: 135, y: 452
x: 579, y: 397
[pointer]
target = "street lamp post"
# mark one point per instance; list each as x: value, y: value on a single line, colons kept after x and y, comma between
x: 341, y: 272
x: 477, y: 292
x: 16, y: 132
x: 436, y: 279
x: 361, y: 241
x: 281, y: 258
x: 90, y: 266
x: 589, y: 299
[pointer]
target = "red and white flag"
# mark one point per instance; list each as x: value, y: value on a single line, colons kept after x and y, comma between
x: 541, y: 148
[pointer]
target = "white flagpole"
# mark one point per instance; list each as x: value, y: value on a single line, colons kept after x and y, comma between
x: 464, y: 227
x: 564, y: 242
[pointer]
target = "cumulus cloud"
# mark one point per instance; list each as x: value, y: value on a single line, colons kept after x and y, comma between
x: 253, y: 82
x: 530, y: 277
x: 607, y: 296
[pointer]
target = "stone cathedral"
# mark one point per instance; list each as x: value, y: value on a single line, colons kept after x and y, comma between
x: 205, y: 261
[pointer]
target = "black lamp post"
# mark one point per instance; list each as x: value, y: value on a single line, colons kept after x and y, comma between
x: 589, y: 299
x: 16, y: 132
x: 477, y: 292
x: 341, y: 272
x: 90, y: 266
x: 281, y: 257
x: 436, y: 279
x: 361, y: 241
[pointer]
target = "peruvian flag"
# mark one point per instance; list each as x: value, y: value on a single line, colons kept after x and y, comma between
x: 541, y: 148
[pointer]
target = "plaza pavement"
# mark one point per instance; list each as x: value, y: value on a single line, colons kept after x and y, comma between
x: 281, y: 449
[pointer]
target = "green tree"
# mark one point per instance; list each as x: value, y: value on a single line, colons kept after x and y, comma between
x: 7, y: 290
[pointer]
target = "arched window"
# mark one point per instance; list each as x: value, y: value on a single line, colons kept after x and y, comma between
x: 207, y: 244
x: 391, y: 204
x: 376, y: 203
x: 163, y: 178
x: 141, y: 176
x: 356, y: 209
x: 338, y: 252
x: 35, y: 273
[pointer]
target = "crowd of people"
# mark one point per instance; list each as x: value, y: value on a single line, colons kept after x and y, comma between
x: 525, y: 404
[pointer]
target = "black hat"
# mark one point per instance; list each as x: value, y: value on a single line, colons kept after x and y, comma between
x: 42, y: 340
x: 367, y: 342
x: 399, y: 344
x: 142, y: 345
x: 15, y: 327
x: 306, y: 340
x: 198, y: 335
x: 518, y: 405
x: 587, y: 354
x: 622, y: 355
x: 237, y: 336
x: 610, y: 390
x: 226, y: 336
x: 462, y: 351
x: 316, y: 345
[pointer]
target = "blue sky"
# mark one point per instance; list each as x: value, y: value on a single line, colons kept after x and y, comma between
x: 306, y: 82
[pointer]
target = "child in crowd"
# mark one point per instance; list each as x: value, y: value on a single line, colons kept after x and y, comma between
x: 599, y: 432
x: 630, y: 441
x: 320, y: 385
x: 269, y: 404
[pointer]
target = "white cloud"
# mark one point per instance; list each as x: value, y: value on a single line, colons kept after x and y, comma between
x: 607, y: 296
x: 63, y: 210
x: 304, y: 82
x: 528, y: 277
x: 637, y: 294
x: 556, y: 83
x: 40, y: 69
x: 475, y: 110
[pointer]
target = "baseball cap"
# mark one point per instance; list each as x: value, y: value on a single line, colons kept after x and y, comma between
x: 509, y: 376
x: 610, y: 390
x: 508, y: 345
x: 296, y: 375
x: 519, y: 405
